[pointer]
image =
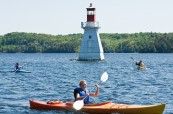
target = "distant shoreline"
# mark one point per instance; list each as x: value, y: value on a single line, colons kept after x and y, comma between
x: 21, y: 42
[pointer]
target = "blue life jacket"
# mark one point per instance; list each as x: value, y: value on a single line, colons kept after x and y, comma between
x: 83, y: 93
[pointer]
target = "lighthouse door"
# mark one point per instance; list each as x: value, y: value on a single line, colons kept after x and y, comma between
x: 89, y: 45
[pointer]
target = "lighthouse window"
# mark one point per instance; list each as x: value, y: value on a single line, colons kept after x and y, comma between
x: 89, y: 37
x: 90, y: 12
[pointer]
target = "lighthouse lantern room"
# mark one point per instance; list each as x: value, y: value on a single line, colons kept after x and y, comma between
x: 90, y: 14
x: 91, y: 47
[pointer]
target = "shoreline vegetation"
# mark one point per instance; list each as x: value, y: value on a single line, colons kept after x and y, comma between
x: 143, y: 42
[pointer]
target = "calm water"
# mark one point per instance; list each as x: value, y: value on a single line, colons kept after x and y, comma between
x: 54, y: 76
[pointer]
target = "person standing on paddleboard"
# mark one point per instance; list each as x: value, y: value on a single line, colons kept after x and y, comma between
x: 82, y: 91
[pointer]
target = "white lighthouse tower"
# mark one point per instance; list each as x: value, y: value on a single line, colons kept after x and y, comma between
x: 91, y: 47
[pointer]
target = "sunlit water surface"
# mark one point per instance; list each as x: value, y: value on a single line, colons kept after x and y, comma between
x: 54, y: 77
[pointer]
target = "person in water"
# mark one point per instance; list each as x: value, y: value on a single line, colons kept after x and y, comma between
x: 17, y: 66
x: 82, y: 92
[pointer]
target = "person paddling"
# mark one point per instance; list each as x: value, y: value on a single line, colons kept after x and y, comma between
x: 140, y: 65
x: 17, y: 66
x: 82, y: 91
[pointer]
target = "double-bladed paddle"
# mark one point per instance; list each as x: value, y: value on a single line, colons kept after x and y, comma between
x: 79, y: 103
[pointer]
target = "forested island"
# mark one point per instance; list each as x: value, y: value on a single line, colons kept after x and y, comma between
x: 149, y: 42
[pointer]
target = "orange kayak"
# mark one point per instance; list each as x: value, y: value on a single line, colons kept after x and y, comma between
x: 100, y: 108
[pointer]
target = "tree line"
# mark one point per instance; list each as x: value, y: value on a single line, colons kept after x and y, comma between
x: 149, y: 42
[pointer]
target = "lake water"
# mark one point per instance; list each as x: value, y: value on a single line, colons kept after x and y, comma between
x: 54, y: 76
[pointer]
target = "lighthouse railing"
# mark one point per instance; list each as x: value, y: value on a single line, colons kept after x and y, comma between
x: 90, y: 25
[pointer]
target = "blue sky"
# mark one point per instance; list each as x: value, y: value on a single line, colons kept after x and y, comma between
x: 65, y: 16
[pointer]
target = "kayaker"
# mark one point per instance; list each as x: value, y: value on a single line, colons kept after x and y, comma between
x: 140, y: 63
x: 82, y: 91
x: 17, y: 66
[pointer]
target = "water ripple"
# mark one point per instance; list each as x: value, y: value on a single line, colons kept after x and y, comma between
x: 54, y: 77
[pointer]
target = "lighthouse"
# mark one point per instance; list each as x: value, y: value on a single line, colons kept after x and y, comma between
x: 91, y: 47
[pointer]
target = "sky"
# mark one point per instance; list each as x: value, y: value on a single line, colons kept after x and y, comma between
x: 64, y: 17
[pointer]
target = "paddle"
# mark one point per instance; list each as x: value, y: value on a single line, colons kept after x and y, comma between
x: 146, y: 67
x: 135, y: 62
x: 79, y: 103
x: 133, y: 59
x: 20, y: 67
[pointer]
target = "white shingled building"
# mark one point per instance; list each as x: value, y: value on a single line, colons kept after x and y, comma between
x: 91, y: 47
